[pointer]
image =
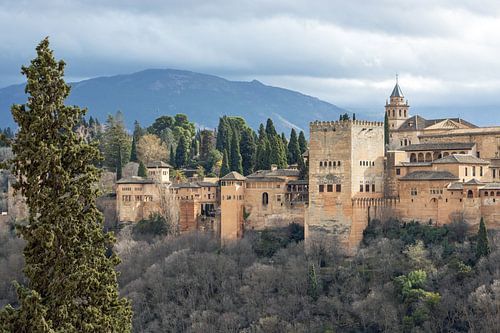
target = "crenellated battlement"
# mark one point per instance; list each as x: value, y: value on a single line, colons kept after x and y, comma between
x: 342, y: 124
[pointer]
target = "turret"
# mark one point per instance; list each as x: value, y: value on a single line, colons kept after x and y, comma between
x: 397, y: 109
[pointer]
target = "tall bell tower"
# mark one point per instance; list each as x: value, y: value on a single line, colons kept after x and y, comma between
x: 397, y: 109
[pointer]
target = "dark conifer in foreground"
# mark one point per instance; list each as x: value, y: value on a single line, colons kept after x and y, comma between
x: 72, y: 283
x: 386, y: 129
x: 236, y: 164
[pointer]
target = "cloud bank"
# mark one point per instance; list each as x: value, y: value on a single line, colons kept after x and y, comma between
x: 345, y: 52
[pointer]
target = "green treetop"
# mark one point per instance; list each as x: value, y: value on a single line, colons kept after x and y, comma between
x: 236, y: 160
x: 302, y: 142
x: 224, y: 169
x: 72, y: 284
x: 293, y: 148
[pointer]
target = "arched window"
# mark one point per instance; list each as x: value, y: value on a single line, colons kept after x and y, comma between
x: 400, y: 113
x: 492, y: 193
x: 406, y: 142
x: 428, y: 157
x: 394, y: 113
x: 320, y: 163
x: 420, y: 157
x: 338, y: 163
x: 413, y: 158
x: 265, y: 199
x: 486, y: 193
x: 470, y: 194
x: 405, y: 113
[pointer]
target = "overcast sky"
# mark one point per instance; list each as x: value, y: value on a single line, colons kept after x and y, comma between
x: 447, y: 53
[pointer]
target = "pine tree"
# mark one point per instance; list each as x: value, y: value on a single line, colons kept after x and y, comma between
x: 483, y: 246
x: 72, y: 283
x: 181, y: 153
x: 386, y: 129
x: 224, y: 169
x: 302, y: 142
x: 353, y: 117
x: 248, y: 150
x: 236, y: 160
x: 142, y: 172
x: 293, y: 148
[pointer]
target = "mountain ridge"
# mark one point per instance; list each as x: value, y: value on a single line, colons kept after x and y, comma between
x: 150, y: 93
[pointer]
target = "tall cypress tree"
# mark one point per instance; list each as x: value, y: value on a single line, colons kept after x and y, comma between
x: 236, y: 160
x: 248, y: 150
x: 262, y: 159
x: 171, y: 155
x: 270, y: 130
x: 119, y: 166
x: 293, y: 148
x: 386, y: 129
x: 224, y: 169
x: 302, y: 142
x: 133, y: 150
x: 181, y: 153
x: 72, y: 283
x: 483, y: 246
x: 142, y: 172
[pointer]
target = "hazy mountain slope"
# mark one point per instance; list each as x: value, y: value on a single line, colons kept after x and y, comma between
x: 145, y: 95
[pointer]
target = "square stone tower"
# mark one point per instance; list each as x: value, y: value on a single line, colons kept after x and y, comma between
x: 346, y: 162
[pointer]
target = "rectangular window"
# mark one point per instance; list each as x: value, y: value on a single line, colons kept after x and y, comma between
x: 413, y: 191
x: 466, y: 172
x: 480, y: 171
x: 373, y: 187
x: 322, y: 188
x: 367, y: 187
x: 329, y: 188
x: 473, y: 171
x: 494, y: 173
x: 361, y: 188
x: 338, y: 188
x: 398, y: 171
x: 278, y: 197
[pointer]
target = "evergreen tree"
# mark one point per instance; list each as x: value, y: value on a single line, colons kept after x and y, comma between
x: 119, y: 167
x: 248, y: 150
x: 236, y: 160
x: 262, y: 159
x: 172, y: 155
x: 293, y: 148
x: 133, y: 150
x: 302, y: 142
x: 182, y: 153
x: 142, y: 172
x: 303, y: 168
x: 116, y: 142
x: 483, y: 246
x: 353, y: 117
x: 270, y: 130
x: 224, y: 169
x: 72, y: 283
x: 313, y: 286
x: 223, y: 135
x: 386, y: 129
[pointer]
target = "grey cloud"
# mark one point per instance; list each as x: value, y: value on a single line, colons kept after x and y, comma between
x: 343, y: 51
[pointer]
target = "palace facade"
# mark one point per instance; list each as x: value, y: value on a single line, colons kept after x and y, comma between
x: 434, y: 171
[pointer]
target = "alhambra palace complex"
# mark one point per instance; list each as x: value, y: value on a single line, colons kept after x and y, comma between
x: 433, y: 171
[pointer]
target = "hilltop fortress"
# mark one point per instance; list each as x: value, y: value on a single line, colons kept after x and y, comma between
x: 435, y: 171
x: 430, y: 170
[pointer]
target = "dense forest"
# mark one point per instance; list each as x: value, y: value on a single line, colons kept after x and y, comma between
x: 405, y: 278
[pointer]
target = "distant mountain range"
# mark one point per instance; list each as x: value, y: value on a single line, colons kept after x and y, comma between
x: 146, y: 95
